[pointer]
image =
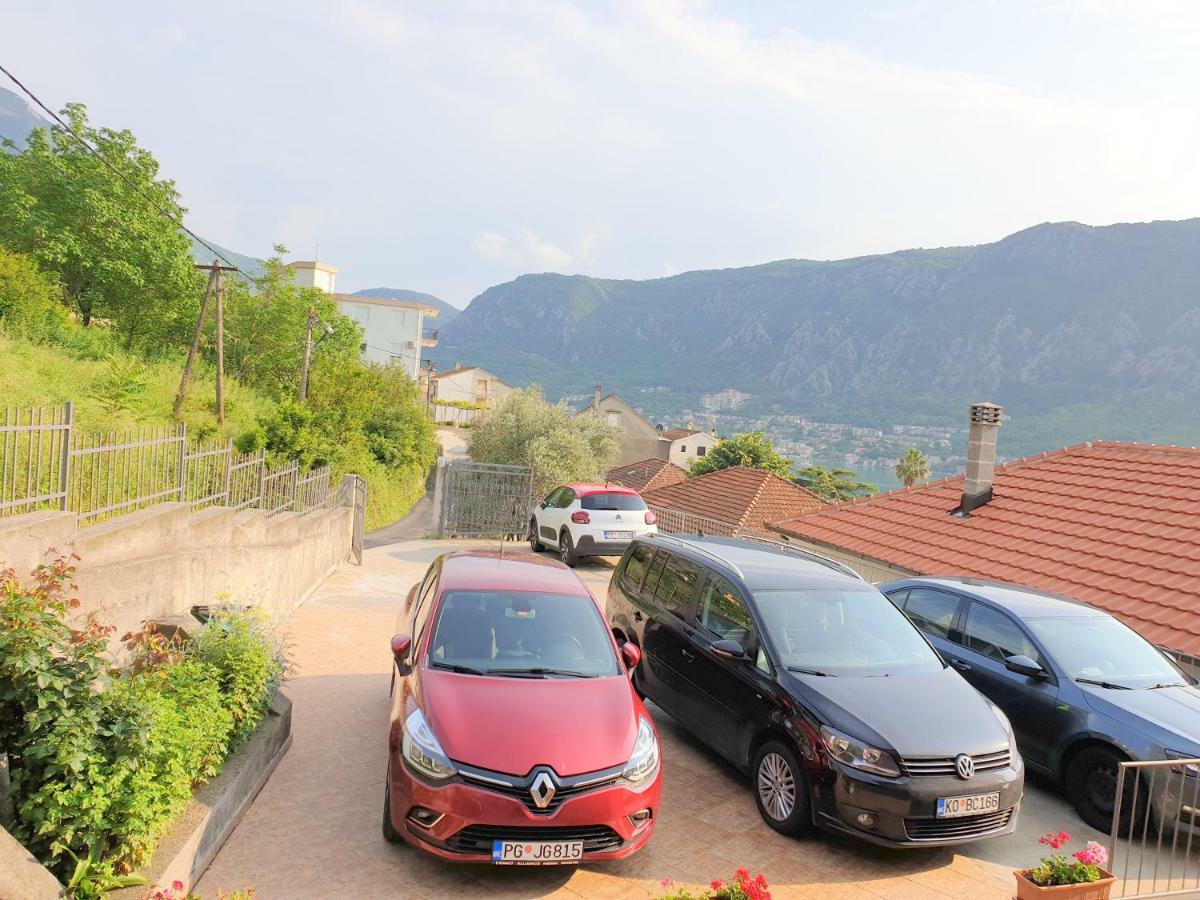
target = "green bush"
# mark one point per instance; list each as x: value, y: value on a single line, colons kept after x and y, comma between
x: 102, y: 760
x: 249, y: 662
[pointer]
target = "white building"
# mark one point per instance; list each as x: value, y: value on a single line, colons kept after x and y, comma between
x: 394, y: 331
x: 469, y: 384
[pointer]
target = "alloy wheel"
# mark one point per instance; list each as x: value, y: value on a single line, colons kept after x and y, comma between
x: 1102, y: 787
x: 776, y: 786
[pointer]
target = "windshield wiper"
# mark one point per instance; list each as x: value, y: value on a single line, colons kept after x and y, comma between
x: 540, y: 672
x: 1104, y: 684
x: 1165, y: 684
x: 802, y: 670
x: 454, y: 667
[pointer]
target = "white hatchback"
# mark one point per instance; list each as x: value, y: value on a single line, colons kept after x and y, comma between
x: 589, y: 520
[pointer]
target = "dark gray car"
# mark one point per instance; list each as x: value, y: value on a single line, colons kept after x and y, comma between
x: 804, y: 675
x: 1083, y: 691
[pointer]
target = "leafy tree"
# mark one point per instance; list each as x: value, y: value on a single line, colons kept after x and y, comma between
x: 913, y: 467
x: 750, y: 449
x: 524, y: 430
x: 30, y: 301
x: 833, y: 484
x: 116, y: 256
x: 265, y: 326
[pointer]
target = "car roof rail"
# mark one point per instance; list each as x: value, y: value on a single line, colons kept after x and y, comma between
x: 698, y: 546
x: 805, y: 554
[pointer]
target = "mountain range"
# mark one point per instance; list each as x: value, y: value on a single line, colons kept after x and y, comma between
x: 446, y: 312
x: 1080, y: 332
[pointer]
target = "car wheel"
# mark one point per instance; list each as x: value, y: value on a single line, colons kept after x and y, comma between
x: 1091, y: 784
x: 566, y: 550
x: 390, y: 834
x: 781, y: 790
x: 534, y: 544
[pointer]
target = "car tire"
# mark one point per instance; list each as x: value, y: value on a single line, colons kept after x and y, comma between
x: 566, y: 550
x: 781, y: 789
x: 1091, y: 785
x: 390, y: 834
x: 534, y: 544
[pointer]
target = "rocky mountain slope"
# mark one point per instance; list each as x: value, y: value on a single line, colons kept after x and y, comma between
x: 1060, y: 319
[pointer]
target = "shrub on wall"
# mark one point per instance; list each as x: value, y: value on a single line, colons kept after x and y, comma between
x: 101, y: 759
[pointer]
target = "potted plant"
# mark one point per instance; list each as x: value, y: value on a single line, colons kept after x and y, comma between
x: 742, y: 886
x: 1079, y: 876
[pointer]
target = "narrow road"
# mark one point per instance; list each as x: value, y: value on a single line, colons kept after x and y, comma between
x: 314, y: 830
x: 419, y: 521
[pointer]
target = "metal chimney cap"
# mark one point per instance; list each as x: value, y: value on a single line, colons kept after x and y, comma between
x: 986, y: 414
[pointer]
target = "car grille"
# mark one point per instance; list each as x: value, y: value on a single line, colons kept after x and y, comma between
x: 518, y: 788
x: 944, y: 765
x: 478, y: 838
x: 957, y: 829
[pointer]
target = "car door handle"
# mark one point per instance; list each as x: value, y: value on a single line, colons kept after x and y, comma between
x: 637, y: 615
x: 688, y: 655
x: 960, y: 665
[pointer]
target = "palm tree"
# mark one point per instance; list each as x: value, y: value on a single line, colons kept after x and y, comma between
x: 913, y: 467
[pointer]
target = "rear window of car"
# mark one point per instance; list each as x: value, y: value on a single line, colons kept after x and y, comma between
x: 619, y: 502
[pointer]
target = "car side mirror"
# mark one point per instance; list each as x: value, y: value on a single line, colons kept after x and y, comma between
x: 729, y: 649
x: 632, y: 656
x: 401, y: 645
x: 1023, y: 665
x: 541, y: 504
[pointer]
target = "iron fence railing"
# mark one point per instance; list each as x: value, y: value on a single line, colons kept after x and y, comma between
x: 1154, y: 843
x: 448, y: 414
x: 674, y: 521
x: 46, y: 464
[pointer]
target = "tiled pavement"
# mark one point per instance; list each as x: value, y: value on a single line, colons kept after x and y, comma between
x: 314, y: 830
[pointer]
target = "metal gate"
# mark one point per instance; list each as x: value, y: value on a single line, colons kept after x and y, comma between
x: 1154, y: 845
x: 485, y: 500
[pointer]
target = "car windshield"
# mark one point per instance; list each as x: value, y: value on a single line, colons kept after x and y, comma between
x: 1100, y: 648
x: 843, y: 632
x: 521, y: 634
x: 619, y: 502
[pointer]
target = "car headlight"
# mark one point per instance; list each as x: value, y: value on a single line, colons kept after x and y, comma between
x: 644, y: 760
x: 846, y: 749
x: 1190, y: 769
x: 422, y: 750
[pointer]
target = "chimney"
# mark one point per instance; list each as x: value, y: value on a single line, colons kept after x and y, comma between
x: 981, y: 456
x: 596, y: 398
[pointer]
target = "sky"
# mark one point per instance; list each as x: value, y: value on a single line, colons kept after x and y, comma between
x: 450, y: 145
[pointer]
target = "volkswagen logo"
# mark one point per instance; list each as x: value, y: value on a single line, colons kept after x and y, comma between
x: 964, y: 765
x: 542, y: 790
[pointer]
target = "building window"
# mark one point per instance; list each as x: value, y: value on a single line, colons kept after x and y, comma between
x: 683, y: 448
x: 701, y: 450
x: 395, y: 360
x: 613, y: 417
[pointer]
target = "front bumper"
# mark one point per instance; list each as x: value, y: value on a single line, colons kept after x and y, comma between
x: 472, y: 816
x: 905, y: 809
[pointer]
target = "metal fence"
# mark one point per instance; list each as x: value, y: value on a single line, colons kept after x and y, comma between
x: 46, y: 464
x: 1154, y: 844
x: 484, y: 500
x: 446, y: 414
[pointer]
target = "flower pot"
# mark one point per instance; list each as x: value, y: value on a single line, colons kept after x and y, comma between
x: 1091, y: 890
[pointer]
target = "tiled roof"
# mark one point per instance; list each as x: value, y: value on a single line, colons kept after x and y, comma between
x: 646, y: 474
x: 1115, y: 525
x: 739, y: 495
x: 675, y: 434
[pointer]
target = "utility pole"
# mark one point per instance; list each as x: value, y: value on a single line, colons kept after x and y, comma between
x: 308, y: 348
x: 214, y: 281
x: 220, y: 351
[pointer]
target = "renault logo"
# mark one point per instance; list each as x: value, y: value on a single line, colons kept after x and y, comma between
x: 964, y: 765
x: 542, y: 790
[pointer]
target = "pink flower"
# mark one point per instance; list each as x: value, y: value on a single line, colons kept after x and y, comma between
x: 1093, y: 854
x: 177, y: 885
x: 666, y: 882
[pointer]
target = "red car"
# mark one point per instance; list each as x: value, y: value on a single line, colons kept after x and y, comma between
x: 516, y: 737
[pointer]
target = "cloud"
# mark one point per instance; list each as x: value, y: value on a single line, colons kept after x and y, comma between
x: 526, y: 248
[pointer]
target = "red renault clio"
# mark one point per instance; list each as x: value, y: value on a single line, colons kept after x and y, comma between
x: 516, y: 737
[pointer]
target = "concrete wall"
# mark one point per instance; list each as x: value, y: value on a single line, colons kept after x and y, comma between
x: 685, y: 450
x: 465, y: 386
x: 163, y: 560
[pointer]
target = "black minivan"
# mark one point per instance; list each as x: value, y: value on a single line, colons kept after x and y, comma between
x: 809, y: 679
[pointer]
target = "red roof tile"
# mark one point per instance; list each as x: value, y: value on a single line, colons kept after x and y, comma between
x: 646, y: 474
x: 1115, y: 525
x: 738, y: 495
x: 675, y: 434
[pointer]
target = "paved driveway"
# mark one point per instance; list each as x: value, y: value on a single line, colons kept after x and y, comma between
x: 314, y: 831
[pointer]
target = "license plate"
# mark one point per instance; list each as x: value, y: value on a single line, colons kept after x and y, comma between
x: 617, y: 535
x: 974, y: 805
x: 536, y: 853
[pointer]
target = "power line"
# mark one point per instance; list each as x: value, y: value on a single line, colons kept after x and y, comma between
x: 153, y: 203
